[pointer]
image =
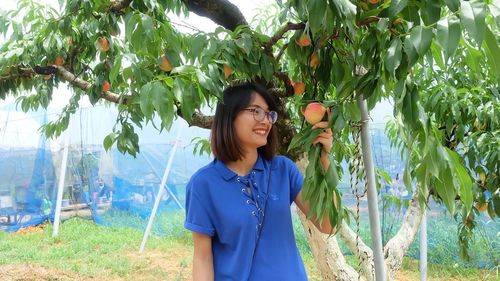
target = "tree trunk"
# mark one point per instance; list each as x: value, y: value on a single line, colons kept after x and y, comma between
x: 398, y: 245
x: 330, y: 260
x: 360, y: 250
x: 326, y: 251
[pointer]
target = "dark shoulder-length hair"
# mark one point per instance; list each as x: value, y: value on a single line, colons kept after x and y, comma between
x: 224, y: 142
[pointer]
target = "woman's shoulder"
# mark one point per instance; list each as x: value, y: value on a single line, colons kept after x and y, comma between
x: 204, y: 172
x: 282, y: 161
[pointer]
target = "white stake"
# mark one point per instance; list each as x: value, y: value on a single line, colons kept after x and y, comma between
x: 372, y: 192
x: 160, y: 191
x: 423, y: 247
x: 60, y: 188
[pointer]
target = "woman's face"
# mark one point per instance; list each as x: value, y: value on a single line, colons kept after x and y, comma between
x: 251, y: 133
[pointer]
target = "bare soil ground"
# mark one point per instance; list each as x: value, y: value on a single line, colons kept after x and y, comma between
x: 172, y: 265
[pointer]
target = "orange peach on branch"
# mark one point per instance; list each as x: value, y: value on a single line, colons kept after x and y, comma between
x: 227, y: 71
x: 106, y: 86
x: 103, y: 44
x: 303, y: 40
x: 314, y: 60
x: 164, y: 63
x: 298, y: 87
x: 314, y: 112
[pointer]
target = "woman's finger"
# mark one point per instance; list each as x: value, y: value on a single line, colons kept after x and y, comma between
x: 322, y: 124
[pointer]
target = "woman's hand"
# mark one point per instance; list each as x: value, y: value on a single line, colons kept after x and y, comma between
x: 325, y: 138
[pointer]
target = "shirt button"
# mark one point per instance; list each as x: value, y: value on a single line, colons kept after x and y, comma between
x: 242, y: 190
x: 248, y: 201
x: 253, y: 213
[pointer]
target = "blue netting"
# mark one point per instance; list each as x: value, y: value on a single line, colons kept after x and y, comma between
x: 27, y: 190
x: 108, y: 187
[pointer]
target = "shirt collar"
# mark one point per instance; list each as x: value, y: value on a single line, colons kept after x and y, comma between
x: 227, y: 174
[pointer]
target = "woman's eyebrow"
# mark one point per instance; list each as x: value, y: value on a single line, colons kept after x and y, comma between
x: 256, y: 105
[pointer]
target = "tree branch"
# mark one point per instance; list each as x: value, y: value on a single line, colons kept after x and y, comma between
x: 279, y: 34
x: 84, y: 85
x: 221, y: 12
x: 367, y: 20
x: 200, y: 120
x: 396, y: 248
x: 118, y: 5
x: 361, y: 250
x: 286, y: 81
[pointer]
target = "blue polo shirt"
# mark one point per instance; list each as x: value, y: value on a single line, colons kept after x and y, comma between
x: 229, y: 208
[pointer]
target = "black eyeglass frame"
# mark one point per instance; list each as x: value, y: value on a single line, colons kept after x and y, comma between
x: 259, y: 114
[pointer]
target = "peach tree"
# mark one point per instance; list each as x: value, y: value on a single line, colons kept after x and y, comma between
x: 436, y: 60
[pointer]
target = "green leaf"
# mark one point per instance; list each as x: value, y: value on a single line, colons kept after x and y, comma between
x: 473, y: 16
x: 421, y: 38
x: 493, y: 53
x: 396, y: 7
x: 159, y: 95
x: 266, y: 66
x: 130, y: 25
x: 453, y: 5
x: 108, y: 141
x: 432, y: 12
x: 317, y: 10
x: 352, y: 111
x: 407, y: 178
x: 244, y: 43
x: 198, y: 42
x: 496, y: 203
x: 115, y: 70
x: 205, y: 81
x: 410, y: 108
x: 393, y: 56
x: 495, y: 10
x: 437, y: 55
x: 448, y: 35
x: 147, y: 25
x: 384, y: 175
x: 188, y: 103
x: 145, y: 102
x: 464, y: 180
x: 473, y: 59
x: 446, y: 190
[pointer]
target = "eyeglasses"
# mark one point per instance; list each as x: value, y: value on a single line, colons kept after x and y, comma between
x: 259, y: 114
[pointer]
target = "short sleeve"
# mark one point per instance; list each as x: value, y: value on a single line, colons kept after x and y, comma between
x: 296, y: 179
x: 197, y: 216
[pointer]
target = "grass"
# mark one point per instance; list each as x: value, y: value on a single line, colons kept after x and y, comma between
x: 87, y: 251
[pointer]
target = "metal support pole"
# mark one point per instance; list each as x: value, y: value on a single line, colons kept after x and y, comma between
x: 60, y: 188
x: 170, y: 193
x: 423, y: 247
x: 160, y: 191
x: 372, y: 192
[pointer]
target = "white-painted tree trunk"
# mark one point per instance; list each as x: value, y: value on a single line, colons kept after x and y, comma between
x: 396, y: 248
x: 331, y: 262
x: 361, y: 251
x: 327, y: 254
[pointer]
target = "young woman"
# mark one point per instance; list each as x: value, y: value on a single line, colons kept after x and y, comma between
x: 238, y: 206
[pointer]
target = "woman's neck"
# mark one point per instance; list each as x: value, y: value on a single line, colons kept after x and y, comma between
x: 243, y: 166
